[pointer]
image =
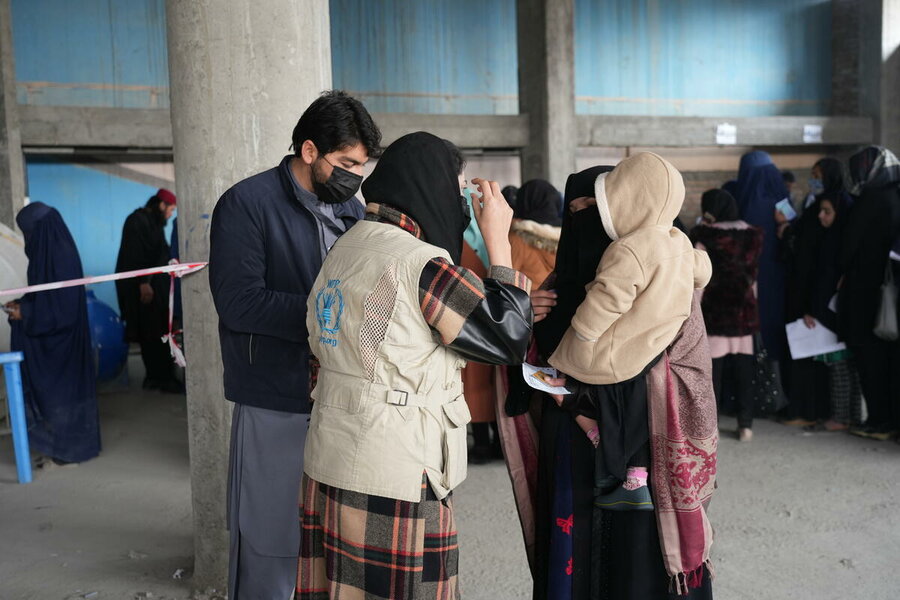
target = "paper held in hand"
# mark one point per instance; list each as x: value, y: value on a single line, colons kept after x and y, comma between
x: 536, y: 377
x: 805, y: 342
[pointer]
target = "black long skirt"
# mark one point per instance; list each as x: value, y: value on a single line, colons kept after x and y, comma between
x: 615, y: 555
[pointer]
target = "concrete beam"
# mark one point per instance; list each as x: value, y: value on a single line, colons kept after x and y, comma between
x: 609, y: 130
x: 75, y: 127
x: 546, y: 29
x: 12, y: 165
x: 80, y: 127
x: 95, y: 127
x: 466, y: 131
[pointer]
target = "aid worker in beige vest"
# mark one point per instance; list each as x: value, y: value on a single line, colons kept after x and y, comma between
x: 392, y: 319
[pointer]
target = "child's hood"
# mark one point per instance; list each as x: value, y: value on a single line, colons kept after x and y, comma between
x: 644, y: 190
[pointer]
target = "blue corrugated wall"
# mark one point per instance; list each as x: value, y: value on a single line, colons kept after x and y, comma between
x: 703, y: 57
x: 661, y: 57
x: 427, y: 56
x: 91, y: 52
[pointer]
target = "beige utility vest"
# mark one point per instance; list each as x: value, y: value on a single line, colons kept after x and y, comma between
x: 388, y: 404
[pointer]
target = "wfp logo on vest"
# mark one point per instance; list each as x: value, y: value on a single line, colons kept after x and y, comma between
x: 329, y: 309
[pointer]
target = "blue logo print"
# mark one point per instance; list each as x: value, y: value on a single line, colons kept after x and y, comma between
x: 330, y: 307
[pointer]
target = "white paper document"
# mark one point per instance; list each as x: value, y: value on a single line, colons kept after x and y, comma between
x: 534, y: 377
x: 805, y: 342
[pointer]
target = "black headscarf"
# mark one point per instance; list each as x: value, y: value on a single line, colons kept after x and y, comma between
x: 832, y: 175
x: 416, y: 175
x: 537, y: 200
x: 874, y: 167
x: 509, y: 193
x: 826, y: 268
x: 582, y: 243
x: 720, y: 205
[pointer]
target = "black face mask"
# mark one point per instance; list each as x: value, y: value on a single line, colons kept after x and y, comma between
x: 339, y: 187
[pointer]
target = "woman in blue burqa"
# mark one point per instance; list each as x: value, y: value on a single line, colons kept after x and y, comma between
x: 51, y: 330
x: 759, y: 187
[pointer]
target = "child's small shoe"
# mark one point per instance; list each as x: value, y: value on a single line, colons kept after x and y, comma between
x: 624, y: 499
x: 633, y: 494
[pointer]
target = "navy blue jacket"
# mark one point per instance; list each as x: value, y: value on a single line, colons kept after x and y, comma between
x: 264, y: 257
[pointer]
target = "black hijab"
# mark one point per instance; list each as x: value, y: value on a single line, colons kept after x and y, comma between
x: 582, y: 243
x: 537, y: 200
x: 509, y: 193
x: 874, y: 167
x: 417, y: 176
x: 832, y: 175
x: 720, y: 205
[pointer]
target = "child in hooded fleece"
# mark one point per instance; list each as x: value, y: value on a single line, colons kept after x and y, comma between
x: 634, y: 308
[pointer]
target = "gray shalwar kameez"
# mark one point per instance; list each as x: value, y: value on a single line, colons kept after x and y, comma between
x: 265, y: 469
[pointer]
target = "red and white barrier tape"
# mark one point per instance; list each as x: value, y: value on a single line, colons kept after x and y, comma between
x: 174, y: 270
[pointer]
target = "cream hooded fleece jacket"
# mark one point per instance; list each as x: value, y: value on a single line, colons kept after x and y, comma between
x: 642, y: 292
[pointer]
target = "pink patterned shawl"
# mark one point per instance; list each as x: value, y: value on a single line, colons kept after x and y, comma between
x: 683, y: 438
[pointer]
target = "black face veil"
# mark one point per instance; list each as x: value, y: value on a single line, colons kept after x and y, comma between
x: 582, y: 243
x: 417, y: 176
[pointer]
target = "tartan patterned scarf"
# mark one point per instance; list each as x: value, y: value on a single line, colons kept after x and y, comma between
x: 684, y: 438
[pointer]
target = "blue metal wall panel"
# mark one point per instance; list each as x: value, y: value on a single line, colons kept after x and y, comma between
x: 655, y: 57
x: 703, y: 57
x: 428, y: 56
x: 94, y: 206
x: 91, y: 52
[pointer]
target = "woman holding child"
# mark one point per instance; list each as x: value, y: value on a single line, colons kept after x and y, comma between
x: 620, y: 507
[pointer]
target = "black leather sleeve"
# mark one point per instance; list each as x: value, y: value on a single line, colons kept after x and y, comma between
x: 497, y: 332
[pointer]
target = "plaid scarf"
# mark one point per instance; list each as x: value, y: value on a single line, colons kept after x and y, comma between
x: 684, y: 438
x: 382, y: 213
x: 873, y: 167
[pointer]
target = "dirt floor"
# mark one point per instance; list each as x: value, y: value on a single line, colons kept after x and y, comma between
x: 797, y: 515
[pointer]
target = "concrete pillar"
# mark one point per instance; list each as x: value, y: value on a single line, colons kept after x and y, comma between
x: 547, y: 88
x: 241, y: 73
x: 12, y: 165
x: 889, y: 122
x: 866, y: 64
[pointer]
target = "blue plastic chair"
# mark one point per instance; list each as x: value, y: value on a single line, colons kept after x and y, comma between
x: 16, y: 404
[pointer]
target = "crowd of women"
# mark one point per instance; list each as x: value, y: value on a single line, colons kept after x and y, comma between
x: 825, y: 263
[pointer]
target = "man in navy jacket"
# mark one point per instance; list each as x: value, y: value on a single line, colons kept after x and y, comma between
x: 270, y: 233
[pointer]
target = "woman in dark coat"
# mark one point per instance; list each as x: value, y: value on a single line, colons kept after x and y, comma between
x: 873, y: 224
x: 799, y: 246
x: 51, y: 330
x: 582, y: 552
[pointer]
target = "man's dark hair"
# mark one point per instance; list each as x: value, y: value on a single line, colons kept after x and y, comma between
x: 459, y: 162
x: 788, y: 177
x: 335, y: 121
